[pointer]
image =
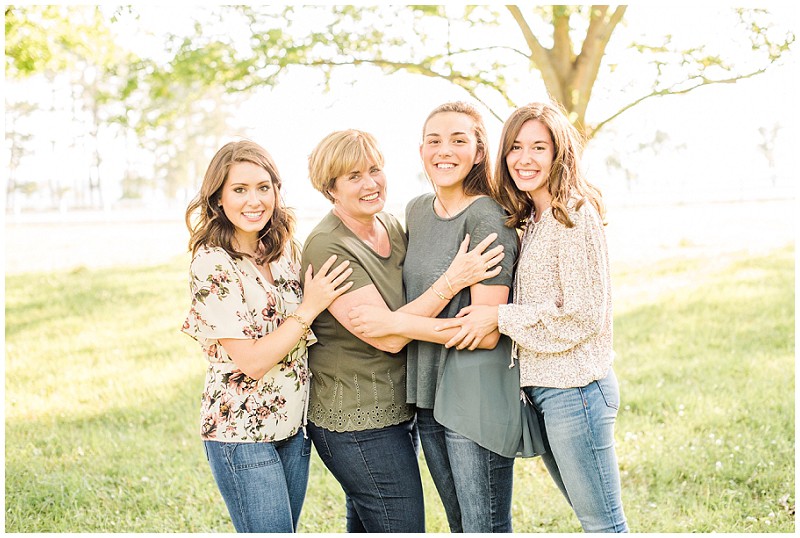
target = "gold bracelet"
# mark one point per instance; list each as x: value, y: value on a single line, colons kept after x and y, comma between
x: 441, y: 295
x: 303, y: 324
x: 448, y: 284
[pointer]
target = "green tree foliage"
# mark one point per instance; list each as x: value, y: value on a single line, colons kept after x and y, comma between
x: 486, y: 51
x: 73, y: 47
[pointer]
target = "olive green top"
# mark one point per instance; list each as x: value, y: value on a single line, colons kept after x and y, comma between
x: 355, y: 386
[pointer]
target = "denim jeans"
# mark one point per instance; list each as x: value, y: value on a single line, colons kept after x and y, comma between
x: 578, y: 429
x: 474, y: 483
x: 379, y: 474
x: 263, y: 484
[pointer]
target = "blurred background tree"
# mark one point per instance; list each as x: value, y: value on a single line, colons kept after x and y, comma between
x: 169, y: 108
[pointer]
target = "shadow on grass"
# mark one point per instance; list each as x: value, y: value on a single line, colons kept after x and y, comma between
x: 705, y: 438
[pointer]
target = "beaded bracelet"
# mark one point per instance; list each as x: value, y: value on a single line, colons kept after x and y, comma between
x: 301, y: 321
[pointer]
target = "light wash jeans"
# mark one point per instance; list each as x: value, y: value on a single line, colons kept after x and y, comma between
x: 379, y: 473
x: 578, y: 429
x: 263, y: 484
x: 474, y: 483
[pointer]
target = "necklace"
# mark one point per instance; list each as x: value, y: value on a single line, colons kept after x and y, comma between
x: 259, y: 257
x: 262, y: 258
x: 460, y: 206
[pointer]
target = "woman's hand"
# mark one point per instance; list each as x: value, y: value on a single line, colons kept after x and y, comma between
x: 372, y: 321
x: 321, y: 290
x: 474, y: 323
x: 469, y: 268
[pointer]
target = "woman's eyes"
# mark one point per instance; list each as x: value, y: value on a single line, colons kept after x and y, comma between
x: 456, y: 141
x: 262, y: 188
x: 517, y: 147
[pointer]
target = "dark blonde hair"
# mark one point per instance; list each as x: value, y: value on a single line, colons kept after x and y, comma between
x: 479, y: 178
x: 566, y: 180
x: 209, y: 226
x: 340, y: 153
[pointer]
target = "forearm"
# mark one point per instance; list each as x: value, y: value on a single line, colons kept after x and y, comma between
x: 434, y: 299
x: 545, y: 330
x: 256, y: 357
x: 422, y: 328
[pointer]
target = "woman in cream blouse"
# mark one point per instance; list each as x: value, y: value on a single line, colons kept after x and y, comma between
x: 561, y: 316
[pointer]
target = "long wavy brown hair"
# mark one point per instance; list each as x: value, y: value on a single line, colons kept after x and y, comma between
x: 209, y: 226
x: 566, y: 180
x: 479, y: 178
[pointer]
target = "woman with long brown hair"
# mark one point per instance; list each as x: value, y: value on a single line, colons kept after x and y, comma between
x: 468, y: 402
x: 360, y: 419
x: 561, y: 316
x: 252, y: 319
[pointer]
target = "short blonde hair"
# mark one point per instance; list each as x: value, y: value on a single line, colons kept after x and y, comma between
x: 339, y: 153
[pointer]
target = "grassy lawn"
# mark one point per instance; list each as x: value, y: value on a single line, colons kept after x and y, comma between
x: 102, y: 401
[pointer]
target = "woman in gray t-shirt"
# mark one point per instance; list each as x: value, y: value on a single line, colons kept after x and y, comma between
x: 468, y: 405
x: 359, y: 418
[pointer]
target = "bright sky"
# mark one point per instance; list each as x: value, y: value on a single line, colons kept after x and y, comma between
x: 716, y: 127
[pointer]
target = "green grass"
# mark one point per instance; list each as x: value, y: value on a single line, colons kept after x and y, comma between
x: 102, y: 402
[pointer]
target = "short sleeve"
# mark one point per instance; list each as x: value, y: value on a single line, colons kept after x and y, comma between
x: 218, y: 307
x: 488, y: 216
x: 320, y: 247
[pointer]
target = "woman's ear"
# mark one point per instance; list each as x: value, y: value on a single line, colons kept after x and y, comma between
x: 479, y: 154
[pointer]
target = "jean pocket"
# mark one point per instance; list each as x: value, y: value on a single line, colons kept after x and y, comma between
x: 243, y: 456
x: 610, y: 390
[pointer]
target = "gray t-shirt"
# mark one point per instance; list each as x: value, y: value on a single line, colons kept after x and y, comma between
x: 433, y: 242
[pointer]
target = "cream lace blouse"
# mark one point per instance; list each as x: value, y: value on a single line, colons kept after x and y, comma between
x: 561, y: 317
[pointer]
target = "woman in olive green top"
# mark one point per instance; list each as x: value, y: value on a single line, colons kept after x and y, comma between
x: 359, y: 420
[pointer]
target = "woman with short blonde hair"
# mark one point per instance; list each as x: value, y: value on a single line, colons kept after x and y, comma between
x: 359, y: 419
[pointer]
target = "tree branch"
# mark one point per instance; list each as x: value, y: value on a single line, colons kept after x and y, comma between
x: 587, y: 64
x: 482, y: 49
x: 670, y: 91
x: 562, y: 53
x: 454, y: 77
x: 539, y: 55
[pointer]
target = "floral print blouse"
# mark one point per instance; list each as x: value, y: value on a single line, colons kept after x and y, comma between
x: 561, y: 317
x: 231, y: 299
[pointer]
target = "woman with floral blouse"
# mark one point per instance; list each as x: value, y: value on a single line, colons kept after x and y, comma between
x: 252, y: 319
x: 561, y: 316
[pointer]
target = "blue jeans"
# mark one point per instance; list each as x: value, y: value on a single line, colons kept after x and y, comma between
x: 474, y: 483
x: 379, y: 474
x: 263, y: 484
x: 577, y: 425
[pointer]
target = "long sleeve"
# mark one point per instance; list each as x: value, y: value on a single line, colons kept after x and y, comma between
x: 567, y: 317
x: 561, y: 314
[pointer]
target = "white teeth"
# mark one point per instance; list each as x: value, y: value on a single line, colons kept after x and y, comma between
x: 370, y: 197
x: 526, y: 173
x: 445, y: 166
x: 253, y: 215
